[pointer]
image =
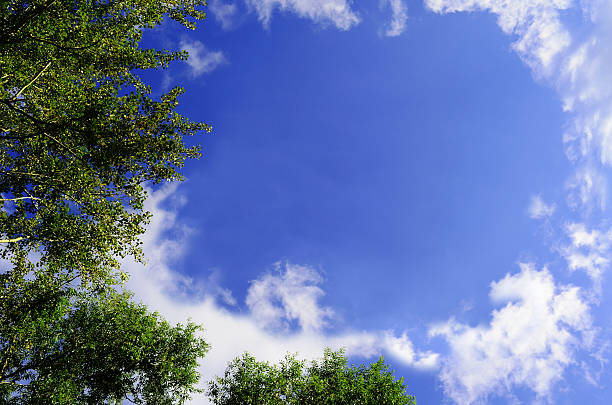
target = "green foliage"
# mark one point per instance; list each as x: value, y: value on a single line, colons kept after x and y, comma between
x: 60, y: 346
x: 329, y: 381
x: 79, y: 131
x: 79, y: 135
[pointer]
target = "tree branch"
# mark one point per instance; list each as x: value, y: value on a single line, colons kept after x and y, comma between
x: 13, y: 240
x: 21, y: 198
x: 16, y: 96
x: 66, y: 48
x: 20, y: 111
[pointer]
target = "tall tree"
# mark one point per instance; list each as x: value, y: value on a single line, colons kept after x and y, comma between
x: 79, y: 135
x: 328, y: 381
x: 80, y: 132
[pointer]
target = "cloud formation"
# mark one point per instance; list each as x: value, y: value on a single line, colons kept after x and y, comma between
x: 570, y: 52
x: 289, y: 293
x: 201, y: 60
x: 589, y: 251
x: 399, y: 16
x: 224, y: 13
x: 538, y: 209
x: 528, y: 342
x: 541, y: 36
x: 534, y: 337
x: 336, y: 12
x: 575, y: 62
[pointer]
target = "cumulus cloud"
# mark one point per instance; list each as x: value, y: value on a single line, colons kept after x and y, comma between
x: 288, y: 294
x: 529, y: 342
x: 336, y: 12
x: 397, y: 25
x: 202, y: 60
x: 538, y: 209
x: 291, y: 294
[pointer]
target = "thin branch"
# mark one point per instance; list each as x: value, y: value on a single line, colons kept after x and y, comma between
x: 20, y: 111
x: 66, y: 48
x: 36, y: 120
x: 33, y: 80
x: 15, y: 382
x: 11, y: 172
x: 13, y: 240
x: 129, y: 399
x: 16, y: 372
x: 35, y: 199
x: 20, y: 198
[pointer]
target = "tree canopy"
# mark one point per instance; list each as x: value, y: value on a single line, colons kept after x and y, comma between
x: 328, y: 381
x: 80, y: 132
x: 80, y: 135
x: 91, y: 348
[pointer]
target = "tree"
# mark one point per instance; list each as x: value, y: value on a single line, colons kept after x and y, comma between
x: 79, y: 131
x: 91, y: 348
x: 328, y: 381
x: 79, y: 136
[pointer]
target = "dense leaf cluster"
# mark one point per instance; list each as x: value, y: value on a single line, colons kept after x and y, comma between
x: 329, y: 381
x: 91, y: 348
x: 79, y: 130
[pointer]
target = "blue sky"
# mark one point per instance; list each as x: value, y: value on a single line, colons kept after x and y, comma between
x: 422, y: 180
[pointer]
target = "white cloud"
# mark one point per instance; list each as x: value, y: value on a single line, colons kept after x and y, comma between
x: 397, y: 25
x: 588, y: 251
x: 587, y: 188
x: 538, y: 209
x: 201, y: 60
x: 224, y: 13
x: 231, y: 332
x: 529, y: 342
x: 402, y: 348
x: 336, y: 12
x: 574, y: 60
x: 541, y: 36
x: 290, y: 294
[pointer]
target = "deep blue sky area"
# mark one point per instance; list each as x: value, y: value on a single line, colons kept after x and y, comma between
x: 392, y: 158
x: 400, y: 168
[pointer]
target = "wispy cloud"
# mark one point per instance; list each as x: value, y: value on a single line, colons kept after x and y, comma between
x: 589, y: 251
x: 336, y: 12
x: 587, y: 188
x: 575, y: 61
x: 202, y: 60
x: 541, y: 36
x: 529, y: 342
x: 224, y: 13
x: 399, y: 16
x: 538, y: 209
x: 289, y: 293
